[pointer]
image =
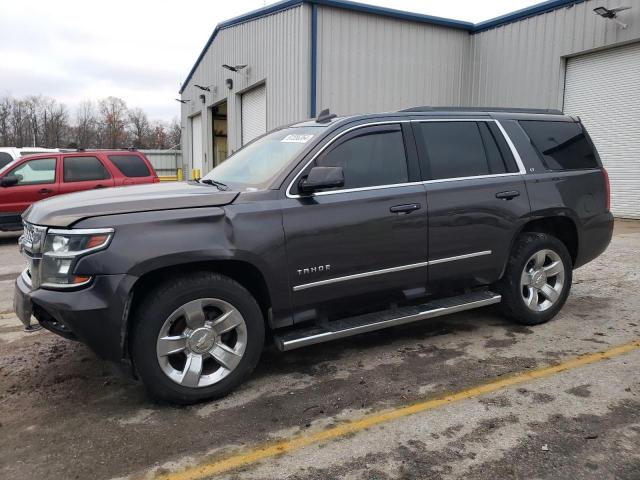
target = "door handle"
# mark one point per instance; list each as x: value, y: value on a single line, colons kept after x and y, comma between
x: 99, y: 186
x: 508, y: 195
x: 408, y: 208
x: 44, y: 191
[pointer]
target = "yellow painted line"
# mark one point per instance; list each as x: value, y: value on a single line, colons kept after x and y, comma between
x: 4, y: 316
x: 271, y: 450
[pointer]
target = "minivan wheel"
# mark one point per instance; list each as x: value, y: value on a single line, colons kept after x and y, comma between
x: 196, y: 337
x: 537, y: 279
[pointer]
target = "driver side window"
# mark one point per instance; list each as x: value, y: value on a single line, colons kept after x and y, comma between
x: 34, y: 172
x: 369, y: 157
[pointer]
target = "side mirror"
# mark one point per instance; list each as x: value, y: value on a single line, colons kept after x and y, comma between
x: 9, y: 181
x: 320, y: 178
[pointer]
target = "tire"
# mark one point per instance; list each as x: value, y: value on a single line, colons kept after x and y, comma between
x: 534, y: 290
x: 188, y: 329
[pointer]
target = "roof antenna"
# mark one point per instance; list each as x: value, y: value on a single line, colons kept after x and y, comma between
x: 325, y: 116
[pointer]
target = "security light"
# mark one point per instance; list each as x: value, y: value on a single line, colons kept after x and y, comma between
x: 181, y: 101
x: 206, y: 89
x: 611, y: 14
x: 229, y: 83
x: 237, y: 68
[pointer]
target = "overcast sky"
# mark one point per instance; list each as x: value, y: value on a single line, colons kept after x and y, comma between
x: 140, y: 50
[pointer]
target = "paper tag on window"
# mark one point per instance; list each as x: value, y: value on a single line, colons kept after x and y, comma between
x: 297, y: 138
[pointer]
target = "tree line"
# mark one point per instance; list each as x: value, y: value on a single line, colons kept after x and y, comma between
x: 41, y: 121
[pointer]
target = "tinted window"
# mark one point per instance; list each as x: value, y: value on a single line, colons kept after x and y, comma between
x: 372, y: 157
x: 5, y: 158
x: 130, y: 165
x: 562, y: 145
x: 34, y: 172
x: 460, y: 149
x: 82, y: 169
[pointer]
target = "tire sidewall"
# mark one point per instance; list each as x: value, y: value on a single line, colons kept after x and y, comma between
x: 529, y: 244
x: 152, y: 314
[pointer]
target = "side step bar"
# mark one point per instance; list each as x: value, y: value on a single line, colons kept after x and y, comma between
x: 387, y: 318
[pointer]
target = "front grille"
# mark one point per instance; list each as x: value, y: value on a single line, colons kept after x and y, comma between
x: 33, y: 238
x: 31, y: 246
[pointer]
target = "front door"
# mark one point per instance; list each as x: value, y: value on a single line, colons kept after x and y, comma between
x: 476, y: 197
x: 366, y: 241
x: 36, y: 181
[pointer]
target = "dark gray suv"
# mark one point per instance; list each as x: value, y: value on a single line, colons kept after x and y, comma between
x: 317, y: 231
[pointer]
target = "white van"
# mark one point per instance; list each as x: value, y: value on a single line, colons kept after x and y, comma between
x: 9, y: 154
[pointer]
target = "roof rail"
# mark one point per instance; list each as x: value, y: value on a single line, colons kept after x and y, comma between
x: 547, y: 111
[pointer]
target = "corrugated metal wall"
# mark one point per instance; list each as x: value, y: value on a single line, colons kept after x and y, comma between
x: 369, y: 63
x: 522, y: 63
x: 164, y: 162
x: 276, y: 50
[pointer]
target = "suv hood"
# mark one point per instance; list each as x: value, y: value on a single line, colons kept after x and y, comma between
x: 64, y: 210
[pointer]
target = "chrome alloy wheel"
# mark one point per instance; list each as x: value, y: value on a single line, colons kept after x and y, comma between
x: 201, y: 342
x: 542, y: 280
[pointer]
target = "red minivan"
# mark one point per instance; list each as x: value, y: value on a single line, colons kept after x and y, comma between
x: 36, y: 177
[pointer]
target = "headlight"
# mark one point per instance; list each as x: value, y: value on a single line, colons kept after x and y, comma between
x: 63, y: 248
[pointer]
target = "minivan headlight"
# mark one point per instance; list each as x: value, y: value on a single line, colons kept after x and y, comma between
x: 63, y: 248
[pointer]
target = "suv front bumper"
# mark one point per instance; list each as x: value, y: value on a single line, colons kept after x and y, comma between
x: 95, y: 314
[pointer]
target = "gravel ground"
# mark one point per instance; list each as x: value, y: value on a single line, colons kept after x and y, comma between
x: 66, y: 414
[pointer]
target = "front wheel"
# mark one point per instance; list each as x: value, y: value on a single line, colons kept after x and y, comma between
x: 537, y: 280
x: 196, y: 337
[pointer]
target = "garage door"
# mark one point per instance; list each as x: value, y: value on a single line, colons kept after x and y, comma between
x: 196, y: 142
x: 254, y: 113
x: 603, y: 88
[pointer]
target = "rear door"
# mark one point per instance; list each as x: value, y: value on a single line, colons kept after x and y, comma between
x: 84, y: 173
x: 476, y: 197
x: 36, y: 181
x: 362, y: 244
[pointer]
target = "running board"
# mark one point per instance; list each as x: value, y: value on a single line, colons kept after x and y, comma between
x: 387, y: 318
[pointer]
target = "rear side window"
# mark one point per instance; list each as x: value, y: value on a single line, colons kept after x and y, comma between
x: 130, y: 165
x: 5, y: 158
x: 84, y: 169
x: 561, y: 145
x: 372, y: 156
x: 463, y: 149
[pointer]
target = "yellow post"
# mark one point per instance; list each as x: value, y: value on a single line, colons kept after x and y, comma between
x: 179, y: 175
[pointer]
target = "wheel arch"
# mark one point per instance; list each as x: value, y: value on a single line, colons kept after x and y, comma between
x: 243, y: 272
x: 560, y: 225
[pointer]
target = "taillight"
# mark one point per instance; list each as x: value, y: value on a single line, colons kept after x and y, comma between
x: 156, y: 179
x: 607, y: 187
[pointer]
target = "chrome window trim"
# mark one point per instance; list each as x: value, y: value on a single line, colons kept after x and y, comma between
x: 346, y: 190
x: 400, y: 268
x: 514, y: 152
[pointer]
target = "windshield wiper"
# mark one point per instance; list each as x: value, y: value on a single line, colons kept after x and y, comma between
x: 219, y: 185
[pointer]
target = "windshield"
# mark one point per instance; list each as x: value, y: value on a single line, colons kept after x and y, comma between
x: 259, y: 162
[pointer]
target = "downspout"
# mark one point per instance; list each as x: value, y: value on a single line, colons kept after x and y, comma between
x: 314, y: 58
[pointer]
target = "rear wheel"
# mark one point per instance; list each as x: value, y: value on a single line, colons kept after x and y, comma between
x: 197, y: 337
x: 537, y: 279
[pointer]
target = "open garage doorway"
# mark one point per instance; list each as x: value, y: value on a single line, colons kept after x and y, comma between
x: 219, y: 122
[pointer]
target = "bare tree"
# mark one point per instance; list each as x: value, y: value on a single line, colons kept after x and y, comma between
x: 175, y: 134
x: 139, y: 128
x: 86, y: 125
x: 6, y: 138
x: 113, y: 119
x: 43, y: 121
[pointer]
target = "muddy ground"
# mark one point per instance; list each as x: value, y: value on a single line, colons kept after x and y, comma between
x: 66, y: 414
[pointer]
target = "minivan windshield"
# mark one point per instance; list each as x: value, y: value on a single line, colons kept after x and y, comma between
x: 255, y: 165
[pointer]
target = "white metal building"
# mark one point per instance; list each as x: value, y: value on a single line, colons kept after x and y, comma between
x: 302, y: 56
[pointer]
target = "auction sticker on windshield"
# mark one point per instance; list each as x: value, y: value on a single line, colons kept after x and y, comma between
x: 297, y: 138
